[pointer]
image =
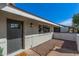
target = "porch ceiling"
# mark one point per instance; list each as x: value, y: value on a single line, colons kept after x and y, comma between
x: 25, y: 14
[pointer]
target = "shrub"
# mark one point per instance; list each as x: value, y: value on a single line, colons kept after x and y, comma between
x: 1, y: 51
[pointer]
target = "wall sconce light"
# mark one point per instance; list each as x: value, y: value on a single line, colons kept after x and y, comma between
x: 31, y: 24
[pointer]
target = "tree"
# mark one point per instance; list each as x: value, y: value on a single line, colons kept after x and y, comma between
x: 76, y: 21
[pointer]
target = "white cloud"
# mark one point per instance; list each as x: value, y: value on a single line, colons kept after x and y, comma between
x: 67, y: 22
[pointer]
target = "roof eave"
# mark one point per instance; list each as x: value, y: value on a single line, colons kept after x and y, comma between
x: 15, y: 10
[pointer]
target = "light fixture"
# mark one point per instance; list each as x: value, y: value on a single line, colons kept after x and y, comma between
x: 31, y: 24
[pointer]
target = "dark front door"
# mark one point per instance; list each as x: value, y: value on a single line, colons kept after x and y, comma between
x: 14, y: 35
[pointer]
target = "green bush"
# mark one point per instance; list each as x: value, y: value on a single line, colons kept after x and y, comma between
x: 1, y: 51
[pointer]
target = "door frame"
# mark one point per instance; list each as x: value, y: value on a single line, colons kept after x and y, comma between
x: 22, y: 23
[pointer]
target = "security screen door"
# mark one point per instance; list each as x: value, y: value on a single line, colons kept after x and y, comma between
x: 14, y: 35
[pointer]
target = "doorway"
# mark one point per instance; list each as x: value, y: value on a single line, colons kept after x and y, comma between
x: 14, y: 35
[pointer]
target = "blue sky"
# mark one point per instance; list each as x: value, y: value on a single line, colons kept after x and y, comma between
x: 55, y: 12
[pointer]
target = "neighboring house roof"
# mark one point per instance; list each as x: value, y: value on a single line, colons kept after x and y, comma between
x: 15, y: 10
x: 65, y: 26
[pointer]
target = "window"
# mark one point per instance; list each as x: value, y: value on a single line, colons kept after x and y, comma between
x: 14, y: 25
x: 56, y: 29
x: 44, y: 29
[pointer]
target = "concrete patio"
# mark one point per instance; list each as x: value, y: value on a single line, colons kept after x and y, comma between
x: 54, y: 47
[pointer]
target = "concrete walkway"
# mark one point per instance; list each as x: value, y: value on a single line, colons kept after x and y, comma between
x: 54, y: 53
x: 54, y: 47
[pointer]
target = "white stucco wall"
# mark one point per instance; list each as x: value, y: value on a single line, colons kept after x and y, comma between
x: 37, y: 39
x: 41, y: 38
x: 65, y: 36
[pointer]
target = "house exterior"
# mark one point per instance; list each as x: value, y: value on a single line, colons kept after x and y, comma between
x: 21, y: 30
x: 64, y: 29
x: 68, y: 29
